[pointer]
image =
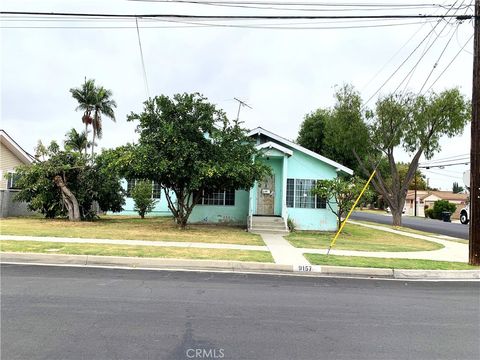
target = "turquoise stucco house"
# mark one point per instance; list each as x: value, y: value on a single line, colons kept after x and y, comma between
x: 286, y: 193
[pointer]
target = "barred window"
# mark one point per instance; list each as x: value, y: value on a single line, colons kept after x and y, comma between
x: 225, y: 197
x: 290, y: 192
x: 299, y: 195
x: 130, y: 186
x: 156, y: 190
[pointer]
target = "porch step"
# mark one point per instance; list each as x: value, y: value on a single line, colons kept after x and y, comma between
x: 267, y: 219
x: 272, y: 231
x: 268, y: 224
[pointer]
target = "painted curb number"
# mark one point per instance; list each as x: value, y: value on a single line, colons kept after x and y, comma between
x: 304, y: 268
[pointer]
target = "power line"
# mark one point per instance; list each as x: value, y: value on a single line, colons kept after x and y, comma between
x: 240, y: 17
x: 145, y: 80
x: 323, y: 7
x: 450, y: 63
x: 209, y: 25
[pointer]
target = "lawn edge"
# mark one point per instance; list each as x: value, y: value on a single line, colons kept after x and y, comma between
x: 232, y: 266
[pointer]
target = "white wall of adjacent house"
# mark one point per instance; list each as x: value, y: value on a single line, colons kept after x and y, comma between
x: 8, y: 162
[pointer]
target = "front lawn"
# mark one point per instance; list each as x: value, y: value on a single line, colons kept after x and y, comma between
x: 128, y: 228
x: 386, y: 263
x: 134, y: 251
x: 360, y: 238
x: 414, y: 231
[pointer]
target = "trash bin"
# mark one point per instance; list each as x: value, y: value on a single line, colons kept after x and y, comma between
x: 446, y: 216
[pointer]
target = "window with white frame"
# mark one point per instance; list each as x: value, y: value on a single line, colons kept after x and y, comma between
x: 12, y: 179
x: 223, y: 198
x: 156, y: 188
x: 299, y: 195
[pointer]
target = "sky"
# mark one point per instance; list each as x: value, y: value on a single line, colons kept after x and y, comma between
x: 282, y: 74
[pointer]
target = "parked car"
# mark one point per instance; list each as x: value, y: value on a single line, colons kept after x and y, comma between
x: 465, y: 215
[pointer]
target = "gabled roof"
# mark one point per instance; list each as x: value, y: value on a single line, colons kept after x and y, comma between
x: 262, y: 131
x: 16, y: 149
x: 274, y: 145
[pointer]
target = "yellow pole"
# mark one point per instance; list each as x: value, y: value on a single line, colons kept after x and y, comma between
x: 350, y: 212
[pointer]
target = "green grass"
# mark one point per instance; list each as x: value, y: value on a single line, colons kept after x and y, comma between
x: 128, y: 228
x: 134, y: 251
x: 386, y: 263
x: 360, y: 238
x: 413, y: 231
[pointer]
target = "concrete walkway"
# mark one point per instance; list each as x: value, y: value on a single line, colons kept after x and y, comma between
x: 282, y: 251
x: 134, y: 242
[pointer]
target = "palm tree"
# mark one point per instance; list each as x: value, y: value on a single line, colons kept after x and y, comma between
x: 85, y: 95
x: 94, y: 101
x: 103, y: 105
x: 76, y: 141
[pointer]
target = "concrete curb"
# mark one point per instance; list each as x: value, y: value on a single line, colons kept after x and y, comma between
x: 234, y: 266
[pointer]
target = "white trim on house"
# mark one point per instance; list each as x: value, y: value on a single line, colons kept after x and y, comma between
x: 6, y: 140
x: 262, y: 131
x: 272, y: 145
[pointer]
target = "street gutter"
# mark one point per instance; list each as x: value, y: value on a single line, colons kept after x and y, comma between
x: 232, y: 266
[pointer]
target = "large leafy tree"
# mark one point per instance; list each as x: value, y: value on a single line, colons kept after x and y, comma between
x: 65, y: 183
x: 416, y: 124
x: 335, y: 132
x: 188, y: 145
x: 95, y: 102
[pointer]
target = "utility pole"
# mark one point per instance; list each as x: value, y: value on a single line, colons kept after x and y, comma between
x: 474, y: 243
x: 240, y: 104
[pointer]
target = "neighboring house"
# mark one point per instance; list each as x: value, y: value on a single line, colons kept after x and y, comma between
x: 426, y: 199
x: 11, y: 156
x: 285, y: 194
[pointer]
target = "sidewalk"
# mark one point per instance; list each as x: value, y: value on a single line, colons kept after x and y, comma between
x: 134, y: 242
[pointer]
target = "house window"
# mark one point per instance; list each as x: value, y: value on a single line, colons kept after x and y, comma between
x: 130, y: 186
x: 299, y: 195
x: 12, y: 179
x: 156, y: 190
x: 226, y: 197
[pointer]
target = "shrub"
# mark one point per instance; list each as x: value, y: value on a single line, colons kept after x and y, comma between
x: 291, y: 224
x: 440, y: 206
x: 142, y: 197
x: 429, y: 213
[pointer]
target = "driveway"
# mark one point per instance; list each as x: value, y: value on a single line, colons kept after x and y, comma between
x: 418, y: 223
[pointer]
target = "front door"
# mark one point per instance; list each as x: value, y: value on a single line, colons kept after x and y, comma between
x: 266, y: 196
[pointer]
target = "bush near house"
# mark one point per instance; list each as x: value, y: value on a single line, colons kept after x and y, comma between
x: 142, y: 196
x: 440, y: 206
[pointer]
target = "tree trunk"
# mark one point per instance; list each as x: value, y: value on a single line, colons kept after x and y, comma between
x: 69, y: 199
x: 86, y: 136
x: 93, y: 141
x: 397, y: 216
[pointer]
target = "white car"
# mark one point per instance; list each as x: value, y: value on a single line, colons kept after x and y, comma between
x: 465, y: 215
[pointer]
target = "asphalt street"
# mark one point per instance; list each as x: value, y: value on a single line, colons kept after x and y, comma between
x: 418, y: 223
x: 85, y: 313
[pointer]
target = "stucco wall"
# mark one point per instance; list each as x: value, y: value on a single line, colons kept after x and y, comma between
x: 302, y: 166
x: 234, y: 215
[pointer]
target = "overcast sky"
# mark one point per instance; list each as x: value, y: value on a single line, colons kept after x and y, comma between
x: 282, y: 74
